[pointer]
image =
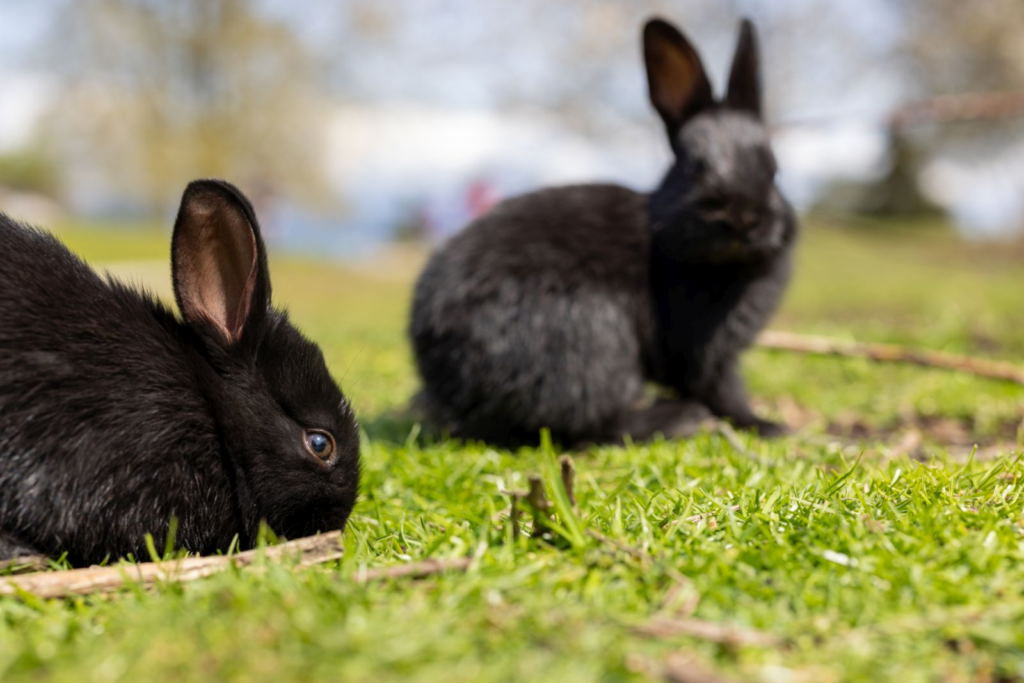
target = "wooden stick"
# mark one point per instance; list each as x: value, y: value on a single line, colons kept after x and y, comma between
x: 682, y: 598
x: 801, y: 343
x: 962, y: 107
x: 680, y: 668
x: 983, y: 106
x: 310, y: 551
x: 568, y: 478
x: 540, y: 505
x: 723, y: 634
x: 513, y: 515
x: 416, y: 570
x: 92, y: 580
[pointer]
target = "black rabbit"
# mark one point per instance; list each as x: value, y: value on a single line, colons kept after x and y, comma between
x: 116, y: 417
x: 555, y: 308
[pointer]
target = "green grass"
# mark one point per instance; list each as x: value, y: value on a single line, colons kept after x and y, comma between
x: 867, y: 565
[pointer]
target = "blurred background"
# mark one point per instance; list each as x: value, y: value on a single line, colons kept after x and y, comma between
x: 364, y: 131
x: 355, y: 124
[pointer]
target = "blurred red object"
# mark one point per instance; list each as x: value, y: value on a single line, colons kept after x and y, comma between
x: 480, y: 197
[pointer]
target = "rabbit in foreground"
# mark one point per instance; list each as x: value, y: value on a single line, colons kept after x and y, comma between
x: 555, y: 308
x: 116, y: 417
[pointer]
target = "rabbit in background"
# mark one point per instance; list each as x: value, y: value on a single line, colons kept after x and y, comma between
x: 556, y: 308
x: 116, y: 416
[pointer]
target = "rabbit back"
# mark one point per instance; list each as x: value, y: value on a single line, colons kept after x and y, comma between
x: 538, y: 314
x: 100, y: 416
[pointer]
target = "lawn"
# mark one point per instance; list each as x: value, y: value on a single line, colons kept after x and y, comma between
x: 869, y: 546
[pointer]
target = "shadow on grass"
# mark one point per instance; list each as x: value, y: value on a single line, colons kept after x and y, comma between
x: 394, y: 426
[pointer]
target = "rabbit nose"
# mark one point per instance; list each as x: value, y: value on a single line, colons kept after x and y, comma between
x: 746, y: 219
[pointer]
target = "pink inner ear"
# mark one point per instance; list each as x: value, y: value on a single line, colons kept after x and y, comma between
x: 216, y: 263
x: 674, y: 77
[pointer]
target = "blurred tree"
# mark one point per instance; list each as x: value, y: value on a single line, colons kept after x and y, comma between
x: 950, y: 47
x: 156, y: 93
x: 30, y: 170
x: 953, y: 46
x: 578, y: 60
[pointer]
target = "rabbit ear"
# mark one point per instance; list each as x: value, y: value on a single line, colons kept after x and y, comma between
x: 218, y: 261
x: 675, y: 75
x: 745, y: 78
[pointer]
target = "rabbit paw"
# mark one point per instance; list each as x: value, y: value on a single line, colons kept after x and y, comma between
x: 768, y: 429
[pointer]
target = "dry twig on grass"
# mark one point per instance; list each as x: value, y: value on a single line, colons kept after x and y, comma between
x: 540, y: 505
x: 961, y: 107
x: 306, y: 551
x: 514, y: 511
x: 513, y: 515
x: 677, y: 668
x: 91, y: 580
x: 723, y: 634
x: 568, y: 478
x: 416, y: 570
x: 824, y: 346
x: 680, y: 668
x: 682, y: 599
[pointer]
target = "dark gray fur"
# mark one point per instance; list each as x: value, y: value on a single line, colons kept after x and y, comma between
x: 557, y: 307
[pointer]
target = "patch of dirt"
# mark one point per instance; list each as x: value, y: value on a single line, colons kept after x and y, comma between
x: 912, y: 434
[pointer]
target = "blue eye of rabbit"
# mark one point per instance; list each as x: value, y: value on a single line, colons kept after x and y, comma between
x: 319, y: 444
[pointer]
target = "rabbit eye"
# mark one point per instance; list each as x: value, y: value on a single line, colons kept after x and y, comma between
x: 319, y: 444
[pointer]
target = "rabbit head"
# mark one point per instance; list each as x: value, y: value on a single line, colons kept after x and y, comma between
x: 718, y: 203
x: 288, y: 431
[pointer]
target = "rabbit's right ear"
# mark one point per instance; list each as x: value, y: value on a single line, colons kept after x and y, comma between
x: 218, y: 260
x: 675, y: 75
x: 744, y: 91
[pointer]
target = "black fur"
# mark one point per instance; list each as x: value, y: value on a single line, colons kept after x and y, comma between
x: 556, y: 308
x: 116, y: 416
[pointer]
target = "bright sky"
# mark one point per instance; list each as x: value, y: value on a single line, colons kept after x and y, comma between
x: 464, y: 57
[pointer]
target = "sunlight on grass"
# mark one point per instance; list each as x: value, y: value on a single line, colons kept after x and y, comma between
x: 866, y: 566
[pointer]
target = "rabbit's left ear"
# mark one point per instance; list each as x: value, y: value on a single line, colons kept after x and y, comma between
x: 744, y: 91
x: 218, y: 261
x: 679, y: 87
